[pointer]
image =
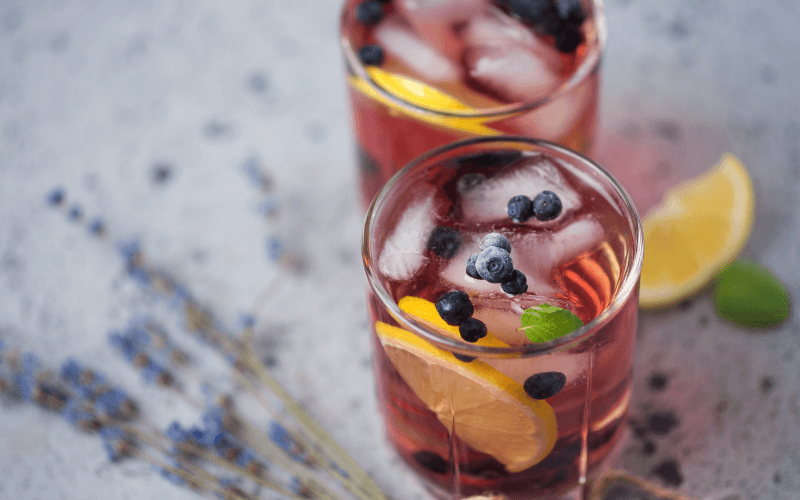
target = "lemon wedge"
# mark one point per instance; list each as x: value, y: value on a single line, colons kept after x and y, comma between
x: 423, y: 96
x: 484, y: 408
x: 698, y: 229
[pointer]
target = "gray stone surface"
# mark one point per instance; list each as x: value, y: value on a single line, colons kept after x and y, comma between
x: 97, y: 96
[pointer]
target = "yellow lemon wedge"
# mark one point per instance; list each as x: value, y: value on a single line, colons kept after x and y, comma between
x: 484, y: 408
x: 426, y: 311
x: 422, y: 96
x: 699, y: 228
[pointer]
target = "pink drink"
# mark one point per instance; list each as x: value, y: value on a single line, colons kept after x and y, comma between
x: 587, y: 261
x: 475, y: 67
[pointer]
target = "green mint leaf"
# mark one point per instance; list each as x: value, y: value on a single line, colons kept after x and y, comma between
x: 546, y: 322
x: 747, y: 294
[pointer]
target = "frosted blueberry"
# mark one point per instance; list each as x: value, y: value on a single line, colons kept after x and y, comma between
x: 495, y: 240
x: 472, y: 272
x: 494, y: 264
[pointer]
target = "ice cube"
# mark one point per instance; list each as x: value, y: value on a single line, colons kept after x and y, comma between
x: 510, y: 73
x: 403, y: 252
x: 436, y: 20
x: 554, y: 120
x: 495, y: 27
x: 401, y: 42
x: 488, y: 201
x: 540, y: 252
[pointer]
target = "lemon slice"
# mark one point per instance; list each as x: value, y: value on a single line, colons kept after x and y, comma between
x: 699, y: 228
x: 423, y: 96
x: 486, y: 409
x: 426, y: 311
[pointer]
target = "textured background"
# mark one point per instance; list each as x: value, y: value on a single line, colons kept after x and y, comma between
x: 98, y: 97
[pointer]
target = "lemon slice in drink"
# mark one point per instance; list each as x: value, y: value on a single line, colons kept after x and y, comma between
x: 699, y: 228
x: 488, y: 410
x: 426, y: 311
x: 420, y: 95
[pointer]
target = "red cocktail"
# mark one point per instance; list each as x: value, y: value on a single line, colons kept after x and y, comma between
x: 423, y: 73
x: 523, y: 407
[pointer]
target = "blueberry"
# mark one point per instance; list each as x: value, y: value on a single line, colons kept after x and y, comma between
x: 571, y: 12
x: 369, y: 12
x: 568, y: 38
x: 371, y: 55
x: 472, y: 330
x: 494, y: 264
x: 444, y: 241
x: 516, y: 283
x: 463, y: 357
x: 520, y: 208
x: 495, y: 240
x: 544, y: 385
x: 546, y: 206
x: 454, y: 307
x: 472, y: 272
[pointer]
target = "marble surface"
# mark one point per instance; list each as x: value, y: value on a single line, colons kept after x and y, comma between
x: 145, y: 112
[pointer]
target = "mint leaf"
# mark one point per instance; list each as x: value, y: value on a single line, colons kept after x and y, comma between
x: 546, y: 322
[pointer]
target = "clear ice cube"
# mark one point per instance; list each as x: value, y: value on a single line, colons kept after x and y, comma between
x: 554, y: 120
x: 403, y: 252
x: 488, y: 201
x: 435, y: 21
x: 495, y: 27
x: 400, y: 41
x: 510, y: 73
x: 540, y: 253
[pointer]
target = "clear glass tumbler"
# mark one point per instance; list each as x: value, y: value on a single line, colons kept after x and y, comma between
x: 511, y: 412
x: 424, y: 73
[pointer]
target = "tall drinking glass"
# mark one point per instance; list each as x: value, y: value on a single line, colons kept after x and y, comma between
x: 423, y: 73
x: 528, y: 408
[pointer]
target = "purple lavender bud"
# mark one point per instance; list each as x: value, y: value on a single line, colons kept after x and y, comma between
x: 74, y: 212
x: 176, y: 433
x: 96, y: 226
x: 31, y: 363
x: 24, y: 384
x: 71, y: 371
x: 110, y: 402
x: 128, y: 249
x: 139, y: 275
x: 274, y: 248
x: 245, y: 457
x: 55, y: 197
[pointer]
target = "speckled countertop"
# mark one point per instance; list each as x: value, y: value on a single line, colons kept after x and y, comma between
x: 145, y: 112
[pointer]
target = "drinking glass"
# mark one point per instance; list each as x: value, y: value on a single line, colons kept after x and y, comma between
x: 504, y: 414
x: 424, y: 73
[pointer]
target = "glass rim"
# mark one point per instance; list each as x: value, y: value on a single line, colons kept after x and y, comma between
x: 631, y: 269
x: 589, y: 65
